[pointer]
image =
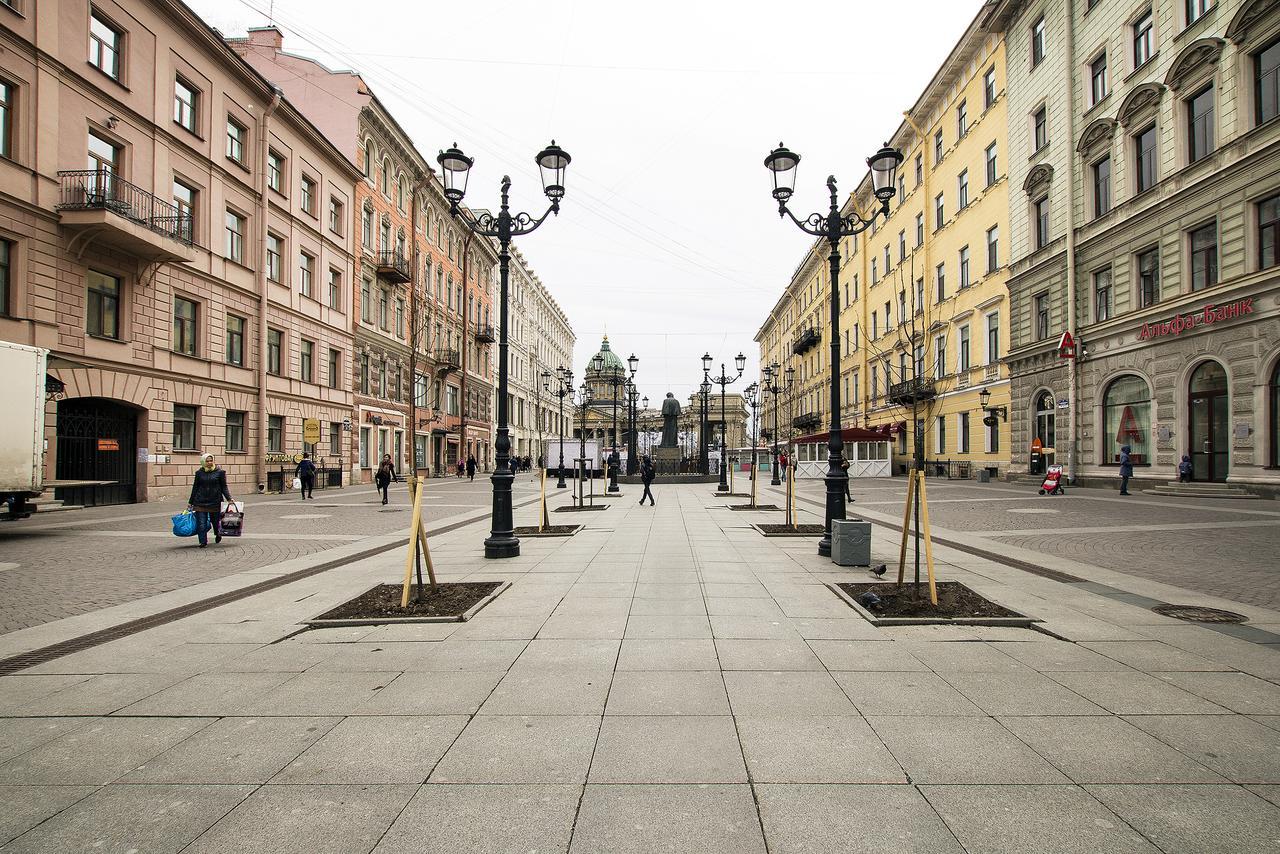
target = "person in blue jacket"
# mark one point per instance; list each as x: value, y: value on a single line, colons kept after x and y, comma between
x: 1126, y: 469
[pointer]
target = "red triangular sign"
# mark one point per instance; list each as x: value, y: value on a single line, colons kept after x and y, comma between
x: 1067, y: 346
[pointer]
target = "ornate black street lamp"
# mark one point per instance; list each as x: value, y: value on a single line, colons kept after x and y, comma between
x: 724, y: 380
x: 776, y: 388
x: 750, y: 396
x: 564, y: 388
x: 633, y: 463
x: 704, y: 425
x: 644, y: 403
x: 454, y: 169
x: 782, y: 165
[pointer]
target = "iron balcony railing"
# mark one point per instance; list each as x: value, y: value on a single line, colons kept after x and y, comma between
x: 807, y: 420
x: 912, y: 391
x: 393, y: 265
x: 484, y: 333
x: 101, y: 189
x: 447, y: 359
x: 805, y: 341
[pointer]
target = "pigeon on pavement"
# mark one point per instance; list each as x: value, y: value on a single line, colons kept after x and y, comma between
x: 879, y: 570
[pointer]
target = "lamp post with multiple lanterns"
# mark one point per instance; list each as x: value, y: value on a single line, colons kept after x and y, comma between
x: 724, y: 380
x: 564, y: 388
x: 774, y: 385
x: 834, y: 227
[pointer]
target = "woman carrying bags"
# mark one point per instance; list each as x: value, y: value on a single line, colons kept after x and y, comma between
x: 207, y: 492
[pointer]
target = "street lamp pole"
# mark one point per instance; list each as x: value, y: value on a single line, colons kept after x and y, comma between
x: 773, y: 385
x: 564, y: 388
x: 833, y: 227
x: 632, y: 461
x: 749, y: 394
x: 455, y: 167
x: 704, y: 425
x: 724, y: 380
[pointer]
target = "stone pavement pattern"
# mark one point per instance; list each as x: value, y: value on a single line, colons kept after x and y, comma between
x: 77, y: 562
x: 667, y: 680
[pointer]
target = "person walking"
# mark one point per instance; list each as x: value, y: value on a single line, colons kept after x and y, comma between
x: 207, y: 491
x: 306, y: 473
x: 844, y: 464
x: 471, y: 467
x: 1184, y: 469
x: 386, y: 474
x: 462, y: 467
x: 782, y: 466
x: 647, y: 473
x: 1126, y: 468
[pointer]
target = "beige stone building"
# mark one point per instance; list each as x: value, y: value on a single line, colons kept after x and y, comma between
x: 135, y: 212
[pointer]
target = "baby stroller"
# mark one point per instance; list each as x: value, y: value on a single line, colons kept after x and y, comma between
x: 1052, y: 484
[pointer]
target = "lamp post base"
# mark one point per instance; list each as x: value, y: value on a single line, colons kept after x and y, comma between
x: 500, y: 547
x: 824, y: 545
x: 775, y: 481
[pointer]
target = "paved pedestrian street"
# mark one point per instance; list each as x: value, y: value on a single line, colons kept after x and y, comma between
x: 666, y: 680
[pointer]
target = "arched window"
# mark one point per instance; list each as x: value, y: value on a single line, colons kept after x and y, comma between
x: 1126, y: 420
x: 1045, y: 413
x: 1275, y: 415
x: 386, y: 177
x: 367, y: 163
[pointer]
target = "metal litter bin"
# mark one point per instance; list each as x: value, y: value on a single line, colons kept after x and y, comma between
x: 851, y: 542
x: 984, y: 476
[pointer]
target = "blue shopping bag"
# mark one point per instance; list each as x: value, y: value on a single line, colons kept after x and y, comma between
x: 184, y: 524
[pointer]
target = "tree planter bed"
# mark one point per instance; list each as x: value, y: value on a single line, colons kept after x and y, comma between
x: 756, y: 507
x: 573, y: 508
x: 548, y: 531
x: 453, y: 602
x: 957, y: 605
x: 784, y: 530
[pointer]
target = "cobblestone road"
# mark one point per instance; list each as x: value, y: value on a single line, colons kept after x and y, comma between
x: 83, y: 560
x: 1221, y: 547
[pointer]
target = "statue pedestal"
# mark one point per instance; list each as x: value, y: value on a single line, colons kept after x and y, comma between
x: 666, y: 460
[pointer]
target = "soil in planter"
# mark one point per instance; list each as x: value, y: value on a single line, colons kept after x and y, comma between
x: 573, y: 508
x: 447, y: 600
x: 757, y: 507
x: 954, y: 601
x: 807, y: 530
x: 548, y: 531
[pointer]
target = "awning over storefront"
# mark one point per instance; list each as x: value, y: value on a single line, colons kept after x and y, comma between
x: 848, y: 434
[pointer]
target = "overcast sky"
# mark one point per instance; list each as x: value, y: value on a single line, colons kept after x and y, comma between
x: 667, y: 238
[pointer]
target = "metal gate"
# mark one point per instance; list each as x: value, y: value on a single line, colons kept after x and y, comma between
x: 97, y: 440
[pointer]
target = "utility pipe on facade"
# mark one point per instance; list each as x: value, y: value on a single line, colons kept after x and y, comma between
x: 462, y: 346
x: 264, y: 130
x: 1072, y: 375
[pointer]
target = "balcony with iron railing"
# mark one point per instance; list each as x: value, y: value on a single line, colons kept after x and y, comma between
x: 917, y: 390
x: 807, y: 421
x: 805, y: 341
x: 100, y: 207
x: 392, y: 265
x: 484, y: 333
x: 446, y: 360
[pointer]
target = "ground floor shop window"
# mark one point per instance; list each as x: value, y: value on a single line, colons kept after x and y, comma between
x: 1126, y: 420
x: 364, y: 447
x: 1275, y: 415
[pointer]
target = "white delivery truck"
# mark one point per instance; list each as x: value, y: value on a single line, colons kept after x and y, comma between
x: 22, y: 377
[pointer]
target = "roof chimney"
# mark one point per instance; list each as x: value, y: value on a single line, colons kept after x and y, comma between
x: 266, y: 37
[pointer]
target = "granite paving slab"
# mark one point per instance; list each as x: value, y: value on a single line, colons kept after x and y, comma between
x: 809, y: 749
x: 520, y: 749
x: 789, y: 654
x: 1238, y: 748
x: 440, y: 693
x: 383, y: 749
x: 233, y: 750
x: 99, y: 752
x: 551, y: 692
x: 640, y: 819
x: 1134, y: 693
x: 1196, y: 819
x: 667, y: 693
x: 506, y: 819
x: 668, y: 654
x: 865, y: 655
x: 785, y: 694
x: 668, y: 749
x: 1238, y: 692
x: 27, y: 806
x: 962, y: 750
x: 18, y: 735
x: 1022, y: 694
x: 891, y: 693
x: 816, y: 819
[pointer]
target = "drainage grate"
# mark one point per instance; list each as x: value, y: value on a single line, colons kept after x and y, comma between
x: 1199, y: 614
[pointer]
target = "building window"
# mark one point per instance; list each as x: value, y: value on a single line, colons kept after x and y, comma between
x: 937, y: 147
x: 1204, y: 256
x: 940, y: 434
x: 919, y: 230
x: 335, y: 363
x: 993, y: 248
x: 1268, y: 232
x: 275, y: 170
x: 993, y: 338
x: 1126, y: 420
x: 184, y: 326
x: 989, y: 88
x: 184, y: 104
x: 6, y: 277
x: 1149, y: 277
x: 902, y: 246
x: 451, y: 400
x: 1037, y: 42
x: 1040, y: 126
x: 335, y: 216
x: 364, y: 447
x: 1266, y: 82
x: 307, y: 190
x: 105, y: 46
x: 1098, y: 78
x: 962, y: 440
x: 939, y: 212
x: 7, y: 93
x: 939, y: 357
x: 306, y: 360
x: 335, y: 289
x: 184, y: 199
x: 236, y: 135
x: 887, y: 267
x: 399, y: 318
x: 235, y: 340
x: 1102, y: 295
x: 366, y: 229
x: 102, y: 314
x: 1145, y: 150
x: 1143, y: 38
x: 235, y: 432
x: 964, y: 348
x: 184, y: 427
x: 1196, y: 10
x: 366, y: 300
x: 964, y: 267
x: 962, y: 190
x: 940, y: 279
x: 335, y: 439
x: 275, y: 433
x: 1040, y: 213
x: 991, y: 164
x: 275, y: 341
x: 364, y: 373
x: 919, y: 169
x: 1102, y: 187
x: 382, y: 309
x: 962, y: 119
x: 1042, y: 316
x: 306, y: 272
x: 235, y: 237
x: 275, y: 245
x: 1200, y: 124
x: 104, y: 155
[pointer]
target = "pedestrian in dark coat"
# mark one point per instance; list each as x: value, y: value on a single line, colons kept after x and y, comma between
x: 1126, y: 469
x: 647, y: 474
x: 471, y: 467
x: 208, y: 489
x: 306, y: 472
x: 844, y: 465
x: 1184, y: 469
x: 386, y: 474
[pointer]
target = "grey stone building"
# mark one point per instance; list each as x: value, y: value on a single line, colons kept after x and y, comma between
x: 1145, y: 220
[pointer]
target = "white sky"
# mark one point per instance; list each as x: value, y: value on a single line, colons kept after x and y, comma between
x: 667, y: 238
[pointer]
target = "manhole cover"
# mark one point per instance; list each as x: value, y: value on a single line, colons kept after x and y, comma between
x: 1199, y: 614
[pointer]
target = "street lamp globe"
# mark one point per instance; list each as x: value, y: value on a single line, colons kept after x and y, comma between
x: 644, y: 401
x: 552, y: 163
x: 597, y: 363
x: 984, y: 397
x: 455, y: 167
x: 740, y: 362
x: 706, y: 387
x: 791, y: 375
x: 706, y: 362
x: 782, y: 164
x: 632, y: 361
x: 884, y: 172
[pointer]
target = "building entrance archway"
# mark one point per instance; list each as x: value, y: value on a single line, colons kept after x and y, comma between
x: 1209, y: 418
x: 97, y: 440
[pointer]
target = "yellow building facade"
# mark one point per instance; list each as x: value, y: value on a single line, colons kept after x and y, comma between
x: 923, y: 302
